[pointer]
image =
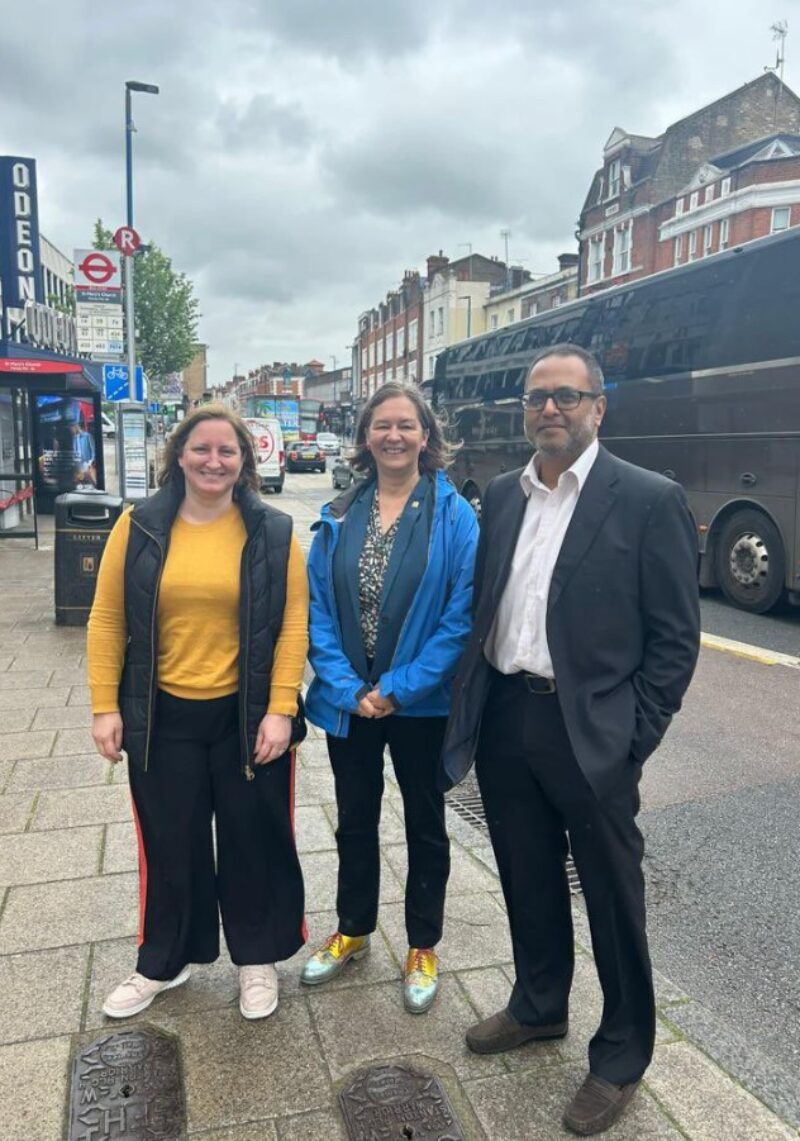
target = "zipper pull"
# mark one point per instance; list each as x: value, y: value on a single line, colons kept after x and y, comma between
x: 248, y: 772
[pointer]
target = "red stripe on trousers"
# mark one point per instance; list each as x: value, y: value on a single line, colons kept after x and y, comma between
x: 293, y: 755
x: 142, y: 874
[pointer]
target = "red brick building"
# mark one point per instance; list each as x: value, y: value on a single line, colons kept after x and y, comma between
x: 389, y: 341
x: 724, y: 175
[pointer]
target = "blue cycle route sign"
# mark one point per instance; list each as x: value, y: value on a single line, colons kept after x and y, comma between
x: 115, y: 382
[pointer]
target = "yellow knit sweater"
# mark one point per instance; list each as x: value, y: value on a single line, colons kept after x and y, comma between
x: 198, y: 617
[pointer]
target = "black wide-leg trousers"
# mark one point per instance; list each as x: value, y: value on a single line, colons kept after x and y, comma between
x: 195, y: 776
x: 535, y: 794
x: 357, y: 762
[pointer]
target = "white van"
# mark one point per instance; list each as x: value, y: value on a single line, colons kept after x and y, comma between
x: 270, y: 454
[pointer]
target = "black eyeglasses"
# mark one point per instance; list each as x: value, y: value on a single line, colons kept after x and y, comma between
x: 565, y: 399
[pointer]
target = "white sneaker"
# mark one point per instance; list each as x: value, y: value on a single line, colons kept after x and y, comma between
x: 258, y: 990
x: 137, y: 992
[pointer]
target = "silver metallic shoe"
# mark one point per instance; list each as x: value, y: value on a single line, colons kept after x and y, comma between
x: 334, y: 954
x: 420, y: 980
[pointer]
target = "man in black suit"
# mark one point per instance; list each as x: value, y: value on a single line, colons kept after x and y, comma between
x: 585, y: 639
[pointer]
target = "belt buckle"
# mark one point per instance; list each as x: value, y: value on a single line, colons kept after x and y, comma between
x: 544, y: 685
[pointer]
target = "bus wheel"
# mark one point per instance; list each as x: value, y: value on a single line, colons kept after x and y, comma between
x: 473, y: 498
x: 750, y: 561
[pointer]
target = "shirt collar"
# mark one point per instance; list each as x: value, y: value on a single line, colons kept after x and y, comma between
x: 579, y: 470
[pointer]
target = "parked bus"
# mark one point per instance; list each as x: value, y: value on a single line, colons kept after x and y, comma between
x: 702, y: 367
x: 298, y: 416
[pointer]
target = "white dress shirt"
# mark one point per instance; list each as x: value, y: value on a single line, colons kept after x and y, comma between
x: 518, y: 637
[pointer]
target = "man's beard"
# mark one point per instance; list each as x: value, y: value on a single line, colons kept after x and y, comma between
x: 578, y: 438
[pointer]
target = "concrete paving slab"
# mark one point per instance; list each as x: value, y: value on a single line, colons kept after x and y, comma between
x: 380, y: 965
x: 705, y: 1102
x: 18, y: 682
x: 16, y: 720
x: 770, y: 1082
x: 44, y: 857
x: 319, y: 876
x: 325, y: 1124
x: 69, y: 913
x: 41, y: 993
x: 529, y: 1106
x: 367, y: 1025
x: 64, y: 659
x: 58, y: 772
x: 313, y: 830
x: 34, y: 1079
x: 73, y: 741
x: 467, y: 875
x: 6, y: 769
x: 258, y: 1131
x: 313, y: 786
x: 475, y: 932
x: 238, y: 1072
x: 79, y: 695
x: 63, y: 717
x: 26, y: 698
x: 121, y: 850
x: 313, y: 754
x: 15, y: 810
x: 212, y: 986
x: 69, y: 807
x: 72, y: 675
x: 18, y: 746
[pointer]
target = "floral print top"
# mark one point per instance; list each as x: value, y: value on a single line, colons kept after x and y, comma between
x: 371, y: 573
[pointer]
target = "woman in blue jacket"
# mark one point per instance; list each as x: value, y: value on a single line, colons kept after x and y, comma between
x: 390, y: 571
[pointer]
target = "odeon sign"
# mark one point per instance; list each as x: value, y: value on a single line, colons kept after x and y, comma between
x: 47, y: 329
x: 20, y: 264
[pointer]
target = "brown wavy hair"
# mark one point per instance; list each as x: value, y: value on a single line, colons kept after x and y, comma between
x: 171, y: 471
x: 438, y: 453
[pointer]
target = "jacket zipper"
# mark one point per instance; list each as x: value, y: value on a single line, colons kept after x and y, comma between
x: 248, y: 768
x: 153, y: 655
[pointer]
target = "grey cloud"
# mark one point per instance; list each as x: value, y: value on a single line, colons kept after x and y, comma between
x: 264, y: 119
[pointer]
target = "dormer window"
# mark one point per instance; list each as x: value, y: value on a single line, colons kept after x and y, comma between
x: 678, y: 208
x: 693, y: 200
x: 613, y: 178
x: 725, y: 188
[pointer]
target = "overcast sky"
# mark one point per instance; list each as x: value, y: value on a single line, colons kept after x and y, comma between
x: 303, y: 153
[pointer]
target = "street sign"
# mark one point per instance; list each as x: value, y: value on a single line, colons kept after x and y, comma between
x: 97, y: 269
x: 127, y: 240
x: 115, y: 382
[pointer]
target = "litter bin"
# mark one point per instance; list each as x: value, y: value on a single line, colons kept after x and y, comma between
x: 83, y: 522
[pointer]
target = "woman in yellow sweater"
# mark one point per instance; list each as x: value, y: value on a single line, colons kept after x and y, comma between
x: 196, y: 646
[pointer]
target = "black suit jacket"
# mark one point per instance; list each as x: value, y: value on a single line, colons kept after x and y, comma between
x: 623, y: 619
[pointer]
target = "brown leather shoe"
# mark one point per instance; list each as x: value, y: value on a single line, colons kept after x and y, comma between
x: 503, y: 1032
x: 597, y: 1105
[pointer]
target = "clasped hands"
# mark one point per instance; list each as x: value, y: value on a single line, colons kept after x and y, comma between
x: 375, y: 706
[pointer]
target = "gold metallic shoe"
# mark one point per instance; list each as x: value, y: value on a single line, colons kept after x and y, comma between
x: 421, y: 979
x: 332, y: 956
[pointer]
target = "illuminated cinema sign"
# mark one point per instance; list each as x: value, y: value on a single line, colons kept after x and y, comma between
x: 20, y: 264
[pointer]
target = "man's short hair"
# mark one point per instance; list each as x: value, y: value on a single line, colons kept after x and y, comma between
x: 595, y: 373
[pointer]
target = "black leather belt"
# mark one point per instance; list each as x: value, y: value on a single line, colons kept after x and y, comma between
x: 532, y: 682
x: 538, y: 685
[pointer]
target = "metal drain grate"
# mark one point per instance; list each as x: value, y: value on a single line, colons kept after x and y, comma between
x: 469, y: 806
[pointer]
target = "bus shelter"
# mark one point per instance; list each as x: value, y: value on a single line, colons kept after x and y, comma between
x: 50, y: 434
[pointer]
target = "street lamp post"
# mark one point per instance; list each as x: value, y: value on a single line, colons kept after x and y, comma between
x: 131, y: 85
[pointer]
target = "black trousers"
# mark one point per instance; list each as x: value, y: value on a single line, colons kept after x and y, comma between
x: 357, y: 762
x: 194, y: 775
x: 535, y: 793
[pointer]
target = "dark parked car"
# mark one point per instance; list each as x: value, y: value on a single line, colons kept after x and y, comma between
x: 304, y: 455
x: 343, y: 475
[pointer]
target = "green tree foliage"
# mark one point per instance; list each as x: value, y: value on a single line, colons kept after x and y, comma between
x: 166, y: 311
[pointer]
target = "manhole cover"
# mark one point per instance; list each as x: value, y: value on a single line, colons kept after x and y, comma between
x: 392, y: 1103
x: 127, y: 1086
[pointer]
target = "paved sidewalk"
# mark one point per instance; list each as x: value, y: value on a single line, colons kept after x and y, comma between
x: 68, y: 900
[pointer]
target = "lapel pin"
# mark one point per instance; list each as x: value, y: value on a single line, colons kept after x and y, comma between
x: 415, y: 503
